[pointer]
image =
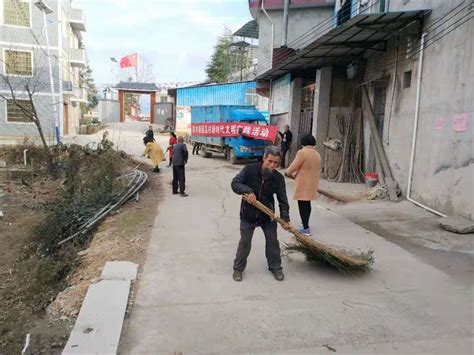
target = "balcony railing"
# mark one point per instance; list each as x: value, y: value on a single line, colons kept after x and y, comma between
x: 77, y: 57
x: 279, y: 4
x: 77, y: 19
x: 80, y: 95
x: 353, y: 8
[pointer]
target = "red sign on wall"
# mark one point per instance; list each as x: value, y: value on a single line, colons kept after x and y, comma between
x: 231, y: 129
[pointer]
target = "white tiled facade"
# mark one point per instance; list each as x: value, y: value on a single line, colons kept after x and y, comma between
x: 22, y: 32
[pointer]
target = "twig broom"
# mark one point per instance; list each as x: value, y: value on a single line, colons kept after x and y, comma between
x: 317, y: 252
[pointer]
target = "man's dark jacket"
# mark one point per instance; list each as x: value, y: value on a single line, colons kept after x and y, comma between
x: 289, y: 138
x: 180, y: 154
x: 251, y: 179
x: 150, y: 134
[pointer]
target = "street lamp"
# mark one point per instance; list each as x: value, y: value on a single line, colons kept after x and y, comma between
x: 46, y: 10
x: 113, y: 60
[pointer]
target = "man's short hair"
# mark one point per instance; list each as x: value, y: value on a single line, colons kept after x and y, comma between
x: 272, y: 150
x: 180, y: 139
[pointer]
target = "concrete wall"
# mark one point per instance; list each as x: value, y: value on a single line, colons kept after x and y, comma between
x: 75, y: 115
x: 322, y: 96
x: 108, y: 111
x: 43, y: 105
x: 443, y: 169
x: 294, y: 117
x: 299, y: 22
x: 12, y: 34
x: 280, y: 95
x: 40, y: 81
x: 33, y: 39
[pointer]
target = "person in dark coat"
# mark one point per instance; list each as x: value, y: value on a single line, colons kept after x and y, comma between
x: 180, y: 158
x: 286, y: 138
x: 261, y: 181
x: 149, y: 134
x: 196, y: 148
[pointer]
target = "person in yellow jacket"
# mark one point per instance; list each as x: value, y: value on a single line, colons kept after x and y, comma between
x: 154, y: 152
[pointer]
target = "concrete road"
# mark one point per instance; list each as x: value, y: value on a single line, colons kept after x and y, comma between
x: 187, y: 301
x: 126, y: 136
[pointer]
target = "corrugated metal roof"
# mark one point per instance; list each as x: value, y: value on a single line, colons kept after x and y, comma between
x: 347, y: 41
x: 249, y: 30
x: 207, y: 95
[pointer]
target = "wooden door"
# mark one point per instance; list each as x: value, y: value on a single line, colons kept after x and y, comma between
x: 66, y: 119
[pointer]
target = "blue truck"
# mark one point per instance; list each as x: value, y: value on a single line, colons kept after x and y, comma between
x: 234, y: 148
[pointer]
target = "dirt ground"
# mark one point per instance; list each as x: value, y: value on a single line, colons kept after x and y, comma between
x: 22, y: 210
x: 123, y: 235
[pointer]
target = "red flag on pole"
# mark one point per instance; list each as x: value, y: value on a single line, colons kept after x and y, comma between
x: 129, y: 61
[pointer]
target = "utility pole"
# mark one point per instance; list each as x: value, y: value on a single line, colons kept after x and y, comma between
x: 46, y: 10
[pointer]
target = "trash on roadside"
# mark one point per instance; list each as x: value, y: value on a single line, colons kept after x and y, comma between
x: 378, y: 192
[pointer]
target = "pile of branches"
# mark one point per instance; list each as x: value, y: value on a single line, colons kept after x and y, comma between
x: 341, y: 260
x: 92, y: 180
x: 86, y: 179
x: 319, y: 253
x: 132, y: 182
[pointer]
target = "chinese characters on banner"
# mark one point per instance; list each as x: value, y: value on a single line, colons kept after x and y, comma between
x: 231, y: 129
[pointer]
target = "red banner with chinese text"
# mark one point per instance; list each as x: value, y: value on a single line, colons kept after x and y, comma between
x: 231, y: 129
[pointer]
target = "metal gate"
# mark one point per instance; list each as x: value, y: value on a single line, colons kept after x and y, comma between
x: 306, y: 114
x: 164, y: 114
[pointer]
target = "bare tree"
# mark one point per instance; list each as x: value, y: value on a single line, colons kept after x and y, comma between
x: 21, y: 82
x: 144, y: 73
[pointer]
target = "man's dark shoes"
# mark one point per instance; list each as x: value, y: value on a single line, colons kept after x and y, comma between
x: 278, y: 275
x: 237, y: 275
x: 183, y: 194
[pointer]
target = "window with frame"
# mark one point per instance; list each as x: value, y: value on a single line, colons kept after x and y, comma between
x: 16, y: 111
x: 18, y: 63
x: 16, y: 13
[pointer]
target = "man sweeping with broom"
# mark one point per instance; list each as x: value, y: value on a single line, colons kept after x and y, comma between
x: 260, y: 181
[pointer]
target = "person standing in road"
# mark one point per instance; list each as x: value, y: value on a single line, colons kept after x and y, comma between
x: 171, y: 143
x: 149, y: 134
x: 261, y: 181
x: 180, y: 159
x: 305, y: 169
x: 154, y: 152
x: 196, y: 147
x: 286, y: 138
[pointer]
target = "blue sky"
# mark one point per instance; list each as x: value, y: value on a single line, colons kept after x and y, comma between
x: 175, y: 36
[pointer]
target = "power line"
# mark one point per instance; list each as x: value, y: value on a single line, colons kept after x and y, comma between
x: 430, y: 41
x: 316, y: 31
x: 430, y: 32
x: 439, y: 22
x: 61, y: 64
